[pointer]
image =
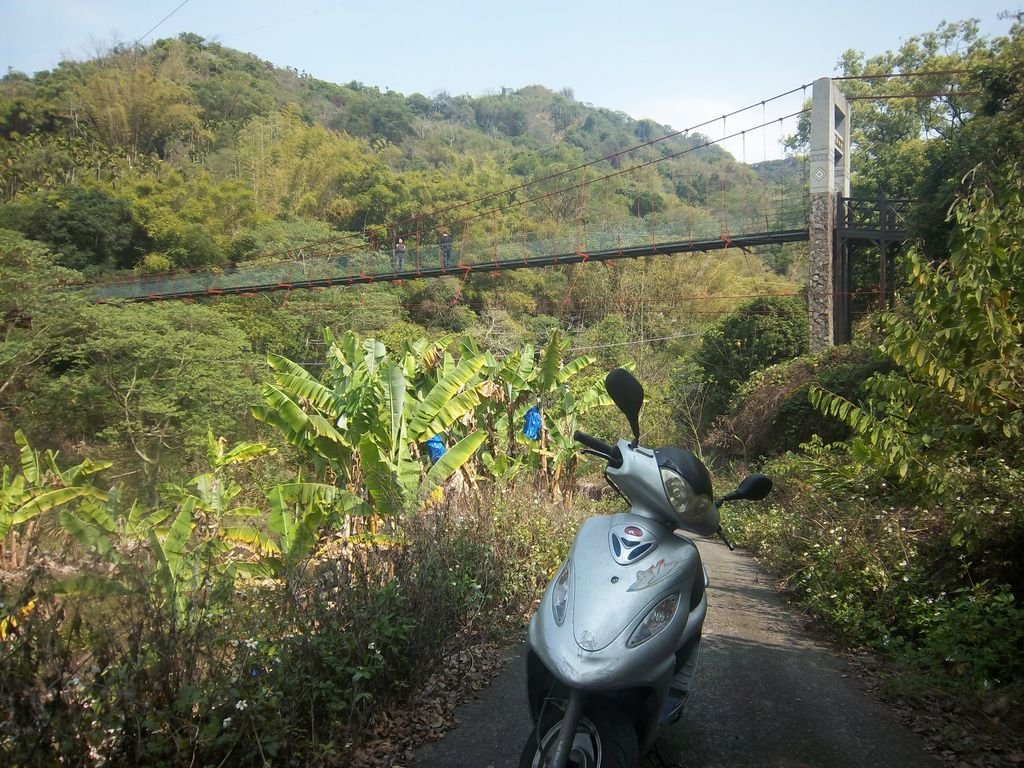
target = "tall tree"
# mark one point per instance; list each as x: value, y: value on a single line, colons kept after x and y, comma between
x: 147, y: 380
x: 34, y: 319
x: 126, y: 105
x: 991, y: 136
x: 903, y: 98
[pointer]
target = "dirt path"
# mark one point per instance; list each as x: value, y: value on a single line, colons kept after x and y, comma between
x: 769, y: 696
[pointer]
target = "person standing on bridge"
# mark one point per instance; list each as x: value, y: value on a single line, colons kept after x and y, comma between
x: 446, y: 250
x: 399, y: 255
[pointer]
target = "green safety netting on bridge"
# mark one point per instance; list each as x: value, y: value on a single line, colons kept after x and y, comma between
x: 333, y: 264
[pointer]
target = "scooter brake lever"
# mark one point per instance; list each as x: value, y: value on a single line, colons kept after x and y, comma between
x: 725, y: 538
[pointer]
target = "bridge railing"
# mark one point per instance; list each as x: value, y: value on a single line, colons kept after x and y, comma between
x: 472, y: 248
x: 873, y: 214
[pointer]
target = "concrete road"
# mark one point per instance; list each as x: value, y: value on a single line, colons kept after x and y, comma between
x: 768, y: 696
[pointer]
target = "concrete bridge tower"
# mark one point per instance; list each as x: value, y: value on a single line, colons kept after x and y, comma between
x: 829, y: 180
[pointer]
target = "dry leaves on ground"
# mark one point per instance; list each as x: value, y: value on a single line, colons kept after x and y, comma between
x: 430, y: 712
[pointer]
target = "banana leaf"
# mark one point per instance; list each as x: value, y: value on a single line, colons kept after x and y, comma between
x: 573, y: 367
x: 441, y: 395
x: 29, y: 459
x: 251, y: 537
x: 394, y: 406
x: 305, y: 388
x: 451, y: 412
x: 380, y: 479
x: 284, y: 365
x: 551, y: 363
x: 89, y: 585
x: 55, y: 498
x: 287, y: 410
x: 87, y: 532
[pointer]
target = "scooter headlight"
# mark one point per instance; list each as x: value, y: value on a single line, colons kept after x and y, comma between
x: 691, y: 506
x: 560, y: 594
x: 656, y: 620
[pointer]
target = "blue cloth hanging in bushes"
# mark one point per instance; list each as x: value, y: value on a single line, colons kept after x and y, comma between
x: 436, y: 447
x: 531, y: 423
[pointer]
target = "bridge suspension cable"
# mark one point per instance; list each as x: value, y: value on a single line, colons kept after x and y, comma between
x: 437, y: 212
x: 268, y: 275
x: 613, y: 156
x: 623, y: 171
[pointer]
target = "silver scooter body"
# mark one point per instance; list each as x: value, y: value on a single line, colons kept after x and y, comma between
x: 620, y: 568
x: 614, y: 645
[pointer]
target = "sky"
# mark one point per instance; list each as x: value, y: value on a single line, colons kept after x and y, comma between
x: 678, y: 62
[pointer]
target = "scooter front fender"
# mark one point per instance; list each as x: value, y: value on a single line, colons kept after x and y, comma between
x: 617, y: 666
x: 606, y: 603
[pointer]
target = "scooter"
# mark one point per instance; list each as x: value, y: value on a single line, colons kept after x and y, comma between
x: 613, y: 648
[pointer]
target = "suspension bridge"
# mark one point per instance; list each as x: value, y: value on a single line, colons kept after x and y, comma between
x: 816, y: 208
x: 324, y: 267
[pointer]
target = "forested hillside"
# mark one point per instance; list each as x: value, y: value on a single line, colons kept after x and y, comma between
x: 188, y: 155
x: 189, y: 487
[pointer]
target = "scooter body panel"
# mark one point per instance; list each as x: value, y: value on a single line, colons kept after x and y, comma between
x: 608, y: 600
x: 619, y: 627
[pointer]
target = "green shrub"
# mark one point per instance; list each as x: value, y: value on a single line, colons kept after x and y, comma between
x: 759, y: 334
x: 771, y: 413
x: 888, y: 574
x: 131, y: 668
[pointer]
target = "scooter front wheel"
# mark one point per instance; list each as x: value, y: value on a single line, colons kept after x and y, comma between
x: 604, y: 739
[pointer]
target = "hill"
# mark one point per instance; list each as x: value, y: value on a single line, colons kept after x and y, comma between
x: 252, y: 158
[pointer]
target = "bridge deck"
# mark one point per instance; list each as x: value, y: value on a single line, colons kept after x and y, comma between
x: 324, y: 271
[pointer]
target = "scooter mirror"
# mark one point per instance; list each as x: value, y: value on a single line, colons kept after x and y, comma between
x: 628, y: 394
x: 755, y: 487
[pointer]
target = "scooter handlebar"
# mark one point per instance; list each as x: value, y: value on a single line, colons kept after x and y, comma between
x: 609, y: 452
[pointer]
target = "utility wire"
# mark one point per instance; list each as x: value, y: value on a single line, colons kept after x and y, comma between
x: 885, y: 97
x: 905, y: 74
x: 165, y: 18
x: 635, y: 341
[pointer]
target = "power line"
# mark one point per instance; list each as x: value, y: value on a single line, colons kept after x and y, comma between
x: 905, y: 74
x: 635, y: 341
x: 165, y: 18
x: 592, y: 305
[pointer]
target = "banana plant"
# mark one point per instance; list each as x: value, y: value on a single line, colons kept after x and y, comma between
x: 538, y: 377
x: 180, y: 567
x: 12, y: 495
x: 215, y: 490
x: 39, y: 488
x: 297, y: 511
x: 393, y: 476
x: 363, y: 420
x: 562, y: 423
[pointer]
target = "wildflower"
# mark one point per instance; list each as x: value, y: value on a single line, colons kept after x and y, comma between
x: 241, y: 705
x: 226, y: 723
